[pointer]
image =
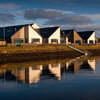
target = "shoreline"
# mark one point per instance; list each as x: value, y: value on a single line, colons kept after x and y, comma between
x: 23, y: 54
x: 38, y: 56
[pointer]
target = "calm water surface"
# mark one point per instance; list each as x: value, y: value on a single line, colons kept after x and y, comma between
x: 70, y: 80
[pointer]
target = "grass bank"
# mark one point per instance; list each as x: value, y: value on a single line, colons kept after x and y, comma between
x: 36, y: 53
x: 27, y: 49
x: 94, y: 49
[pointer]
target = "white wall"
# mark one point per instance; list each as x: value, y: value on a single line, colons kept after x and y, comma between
x: 34, y: 35
x: 35, y: 26
x: 92, y: 37
x: 66, y: 40
x: 55, y: 35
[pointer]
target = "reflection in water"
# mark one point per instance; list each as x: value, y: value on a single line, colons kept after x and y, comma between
x: 33, y: 74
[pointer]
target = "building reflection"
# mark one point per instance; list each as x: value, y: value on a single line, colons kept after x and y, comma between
x: 34, y: 74
x: 28, y: 74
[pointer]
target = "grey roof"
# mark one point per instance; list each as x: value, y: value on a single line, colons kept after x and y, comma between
x: 85, y: 34
x: 46, y: 32
x: 66, y: 32
x: 10, y: 30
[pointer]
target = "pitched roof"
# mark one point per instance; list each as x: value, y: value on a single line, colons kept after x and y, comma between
x: 46, y: 32
x: 10, y: 30
x: 85, y: 34
x: 66, y: 32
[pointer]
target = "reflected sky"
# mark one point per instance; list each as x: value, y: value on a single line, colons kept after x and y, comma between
x: 68, y: 80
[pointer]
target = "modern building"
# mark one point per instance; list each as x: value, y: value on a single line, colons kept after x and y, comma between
x: 88, y: 37
x: 18, y: 33
x: 30, y: 33
x: 49, y: 35
x: 33, y: 34
x: 72, y: 37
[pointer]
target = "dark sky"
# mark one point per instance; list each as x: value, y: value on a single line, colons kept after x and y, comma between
x: 69, y: 14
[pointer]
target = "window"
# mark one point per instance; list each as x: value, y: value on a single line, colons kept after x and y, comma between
x: 18, y: 40
x: 78, y: 41
x: 35, y: 40
x: 54, y: 40
x: 91, y: 41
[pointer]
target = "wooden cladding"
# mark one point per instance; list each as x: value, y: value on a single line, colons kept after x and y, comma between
x: 26, y: 33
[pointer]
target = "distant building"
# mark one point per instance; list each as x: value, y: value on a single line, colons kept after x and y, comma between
x: 88, y: 37
x: 18, y: 33
x: 33, y: 34
x: 30, y: 33
x: 72, y: 37
x: 50, y: 35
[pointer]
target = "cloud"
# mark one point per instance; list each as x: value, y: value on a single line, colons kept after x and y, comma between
x: 9, y: 6
x: 93, y: 16
x: 7, y: 18
x: 60, y: 11
x: 85, y: 27
x: 44, y: 13
x: 70, y: 20
x: 82, y: 27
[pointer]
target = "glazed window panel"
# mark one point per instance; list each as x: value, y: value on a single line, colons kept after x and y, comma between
x: 18, y: 40
x: 91, y: 41
x: 54, y: 40
x: 35, y: 40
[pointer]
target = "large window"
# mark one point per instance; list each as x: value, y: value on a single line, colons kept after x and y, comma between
x: 91, y: 42
x: 35, y: 40
x: 78, y: 41
x: 54, y: 40
x: 18, y: 40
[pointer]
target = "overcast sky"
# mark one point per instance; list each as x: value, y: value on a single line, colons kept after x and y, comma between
x: 69, y: 14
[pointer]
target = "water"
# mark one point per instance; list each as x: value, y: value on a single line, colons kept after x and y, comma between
x: 79, y: 80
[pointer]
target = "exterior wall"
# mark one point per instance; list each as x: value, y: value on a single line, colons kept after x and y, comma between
x: 26, y: 33
x: 77, y: 37
x: 55, y: 35
x: 70, y: 37
x: 92, y: 37
x: 66, y: 40
x: 33, y: 35
x: 96, y: 40
x: 35, y: 26
x: 18, y: 34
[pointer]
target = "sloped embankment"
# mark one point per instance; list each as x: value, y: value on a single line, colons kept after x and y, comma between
x: 22, y: 54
